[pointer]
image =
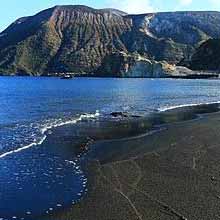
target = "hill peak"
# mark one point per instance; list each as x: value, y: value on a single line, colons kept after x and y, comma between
x: 84, y: 8
x: 74, y: 7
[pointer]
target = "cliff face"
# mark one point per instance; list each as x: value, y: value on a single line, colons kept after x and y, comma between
x: 81, y: 39
x: 133, y: 65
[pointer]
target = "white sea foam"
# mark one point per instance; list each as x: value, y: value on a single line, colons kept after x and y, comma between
x: 163, y: 109
x: 23, y: 148
x: 49, y: 126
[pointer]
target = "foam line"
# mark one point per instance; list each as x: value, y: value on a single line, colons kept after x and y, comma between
x: 45, y: 129
x: 163, y: 109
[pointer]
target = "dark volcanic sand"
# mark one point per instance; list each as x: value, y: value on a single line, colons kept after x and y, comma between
x: 171, y: 174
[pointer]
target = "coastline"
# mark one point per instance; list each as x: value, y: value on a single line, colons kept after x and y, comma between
x: 169, y: 174
x: 195, y: 75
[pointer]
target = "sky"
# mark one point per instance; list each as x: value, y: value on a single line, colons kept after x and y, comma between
x: 10, y: 10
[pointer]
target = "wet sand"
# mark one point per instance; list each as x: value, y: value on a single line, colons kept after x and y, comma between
x: 173, y: 173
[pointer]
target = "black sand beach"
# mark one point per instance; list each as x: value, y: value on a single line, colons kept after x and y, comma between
x: 173, y: 173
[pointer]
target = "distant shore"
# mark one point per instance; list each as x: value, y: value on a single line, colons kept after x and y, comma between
x: 192, y: 75
x: 170, y: 174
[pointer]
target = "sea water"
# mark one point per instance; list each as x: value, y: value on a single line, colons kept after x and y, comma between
x: 36, y: 179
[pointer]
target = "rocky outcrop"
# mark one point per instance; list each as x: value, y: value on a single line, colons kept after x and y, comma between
x: 133, y: 65
x: 181, y: 71
x: 80, y: 39
x: 122, y: 115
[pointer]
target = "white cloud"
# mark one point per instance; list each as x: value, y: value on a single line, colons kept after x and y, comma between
x: 185, y: 2
x: 132, y: 6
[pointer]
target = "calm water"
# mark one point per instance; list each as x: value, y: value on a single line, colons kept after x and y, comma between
x: 35, y: 179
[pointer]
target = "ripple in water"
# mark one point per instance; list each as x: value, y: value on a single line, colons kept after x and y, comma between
x: 33, y: 183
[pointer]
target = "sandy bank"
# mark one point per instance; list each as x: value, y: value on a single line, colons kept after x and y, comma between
x: 179, y: 179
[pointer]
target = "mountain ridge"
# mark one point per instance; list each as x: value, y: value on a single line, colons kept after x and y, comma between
x: 78, y: 38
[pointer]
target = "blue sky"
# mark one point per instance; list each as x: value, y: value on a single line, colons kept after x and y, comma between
x: 10, y: 10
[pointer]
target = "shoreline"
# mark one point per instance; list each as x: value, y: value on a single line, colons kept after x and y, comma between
x: 48, y: 128
x: 196, y: 76
x: 97, y: 114
x: 159, y: 150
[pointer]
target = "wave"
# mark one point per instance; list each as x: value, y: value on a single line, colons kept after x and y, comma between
x: 51, y: 126
x: 163, y: 109
x: 60, y: 122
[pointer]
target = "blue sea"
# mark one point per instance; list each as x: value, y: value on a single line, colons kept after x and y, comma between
x: 35, y: 179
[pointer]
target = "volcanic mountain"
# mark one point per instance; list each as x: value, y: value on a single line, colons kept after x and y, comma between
x: 80, y: 39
